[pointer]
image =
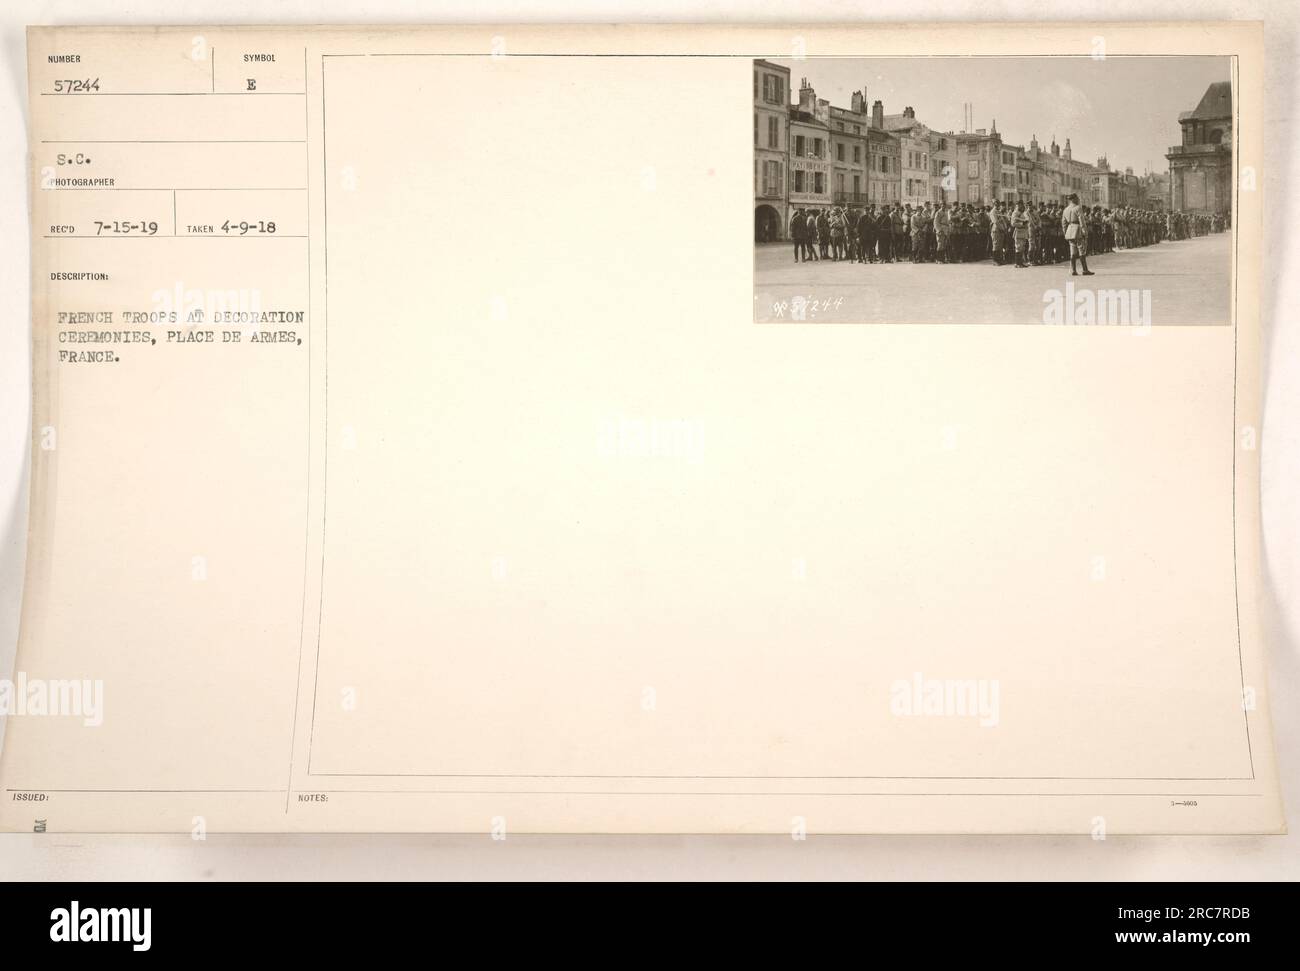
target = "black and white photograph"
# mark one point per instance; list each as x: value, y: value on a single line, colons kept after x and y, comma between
x: 908, y: 190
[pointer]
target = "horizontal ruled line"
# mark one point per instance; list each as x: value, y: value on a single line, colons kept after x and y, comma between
x: 173, y: 141
x: 167, y: 94
x: 178, y: 236
x: 179, y: 188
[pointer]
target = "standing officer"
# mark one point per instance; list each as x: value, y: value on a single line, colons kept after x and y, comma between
x: 1075, y: 227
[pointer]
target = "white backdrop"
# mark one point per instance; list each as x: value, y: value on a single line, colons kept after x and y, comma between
x: 879, y: 858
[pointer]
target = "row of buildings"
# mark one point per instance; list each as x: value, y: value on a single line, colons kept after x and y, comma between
x: 811, y: 154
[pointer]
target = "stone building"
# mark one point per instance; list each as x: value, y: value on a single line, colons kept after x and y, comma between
x: 1012, y: 182
x: 884, y: 161
x: 914, y: 143
x: 943, y: 168
x: 810, y: 140
x: 1200, y: 169
x: 978, y: 162
x: 771, y: 151
x: 848, y: 128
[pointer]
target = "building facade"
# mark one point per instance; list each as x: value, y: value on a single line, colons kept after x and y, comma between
x: 914, y: 156
x: 1200, y: 169
x: 849, y: 152
x: 771, y: 151
x: 978, y: 160
x: 810, y: 140
x: 943, y: 168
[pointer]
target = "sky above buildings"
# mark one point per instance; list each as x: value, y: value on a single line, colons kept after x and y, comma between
x: 1125, y: 108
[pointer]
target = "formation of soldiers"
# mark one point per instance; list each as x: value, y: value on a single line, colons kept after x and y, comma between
x: 1184, y: 225
x: 1021, y: 233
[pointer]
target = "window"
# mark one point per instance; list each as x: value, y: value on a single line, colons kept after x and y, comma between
x: 857, y: 186
x: 840, y: 125
x: 819, y: 182
x: 798, y: 145
x: 817, y: 148
x: 756, y: 128
x: 798, y: 180
x: 839, y: 182
x: 857, y: 154
x: 972, y: 148
x: 772, y: 178
x: 839, y: 152
x: 857, y: 129
x: 973, y: 168
x: 773, y: 89
x: 773, y: 132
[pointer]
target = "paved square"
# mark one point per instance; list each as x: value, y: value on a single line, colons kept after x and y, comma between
x: 1189, y: 281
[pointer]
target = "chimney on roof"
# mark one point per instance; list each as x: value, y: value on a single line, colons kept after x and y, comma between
x: 807, y: 97
x: 859, y: 103
x: 908, y: 112
x: 877, y: 114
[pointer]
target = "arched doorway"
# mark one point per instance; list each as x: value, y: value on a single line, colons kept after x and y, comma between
x: 767, y: 225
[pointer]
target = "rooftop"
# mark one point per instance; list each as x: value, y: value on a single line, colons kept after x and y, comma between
x: 1215, y: 104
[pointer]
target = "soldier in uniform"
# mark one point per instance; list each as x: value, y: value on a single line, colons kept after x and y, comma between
x: 1076, y: 216
x: 1020, y: 233
x: 798, y: 231
x: 900, y: 220
x: 885, y: 234
x: 919, y: 220
x: 1033, y: 236
x: 998, y: 231
x: 810, y: 234
x: 942, y: 233
x: 865, y: 230
x: 956, y: 227
x: 837, y: 235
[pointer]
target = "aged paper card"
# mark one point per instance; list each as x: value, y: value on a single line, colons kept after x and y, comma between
x: 484, y: 430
